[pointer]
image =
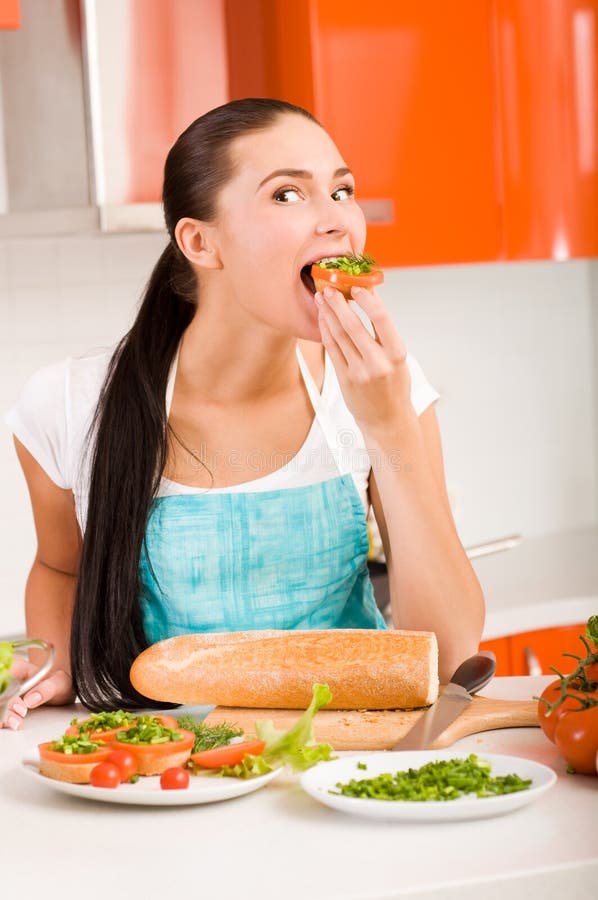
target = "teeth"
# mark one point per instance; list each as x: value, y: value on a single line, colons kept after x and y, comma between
x: 327, y: 259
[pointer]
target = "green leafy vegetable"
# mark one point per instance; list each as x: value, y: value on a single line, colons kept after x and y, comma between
x: 104, y: 721
x: 353, y: 265
x: 74, y: 743
x: 295, y: 748
x: 441, y: 780
x: 208, y: 736
x: 6, y: 657
x: 148, y: 731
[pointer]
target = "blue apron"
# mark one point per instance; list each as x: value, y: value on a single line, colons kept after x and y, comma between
x: 241, y: 561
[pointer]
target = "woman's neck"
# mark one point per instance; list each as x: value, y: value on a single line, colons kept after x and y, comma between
x: 232, y: 362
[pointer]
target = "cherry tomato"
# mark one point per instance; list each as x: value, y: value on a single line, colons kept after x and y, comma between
x: 229, y: 755
x: 576, y: 736
x: 175, y: 778
x: 106, y: 775
x: 551, y: 693
x: 124, y: 761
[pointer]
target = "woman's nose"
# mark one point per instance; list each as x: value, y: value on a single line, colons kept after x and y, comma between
x: 332, y: 218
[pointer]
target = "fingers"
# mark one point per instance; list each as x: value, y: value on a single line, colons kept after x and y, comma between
x: 57, y: 688
x: 384, y: 327
x: 17, y: 711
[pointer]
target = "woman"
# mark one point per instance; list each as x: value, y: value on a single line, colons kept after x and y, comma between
x: 165, y: 453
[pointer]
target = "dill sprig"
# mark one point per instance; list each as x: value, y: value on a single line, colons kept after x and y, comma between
x: 208, y: 736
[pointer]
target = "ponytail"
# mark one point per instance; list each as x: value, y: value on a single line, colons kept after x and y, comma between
x: 128, y: 458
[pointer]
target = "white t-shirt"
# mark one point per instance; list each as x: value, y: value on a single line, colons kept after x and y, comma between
x: 55, y: 409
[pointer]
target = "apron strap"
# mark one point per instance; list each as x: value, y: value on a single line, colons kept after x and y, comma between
x: 339, y: 441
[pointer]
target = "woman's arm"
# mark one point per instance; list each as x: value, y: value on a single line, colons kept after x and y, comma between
x: 52, y: 581
x: 432, y: 584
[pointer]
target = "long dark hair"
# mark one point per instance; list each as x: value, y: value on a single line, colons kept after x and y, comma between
x: 127, y: 441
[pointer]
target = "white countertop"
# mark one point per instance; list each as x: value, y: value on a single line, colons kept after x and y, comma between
x: 543, y: 582
x: 278, y: 842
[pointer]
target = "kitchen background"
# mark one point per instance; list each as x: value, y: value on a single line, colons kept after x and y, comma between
x: 510, y: 340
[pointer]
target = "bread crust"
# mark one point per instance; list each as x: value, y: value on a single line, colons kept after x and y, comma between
x: 365, y: 669
x: 73, y: 773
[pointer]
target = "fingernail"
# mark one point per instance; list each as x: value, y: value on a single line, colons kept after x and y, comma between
x: 328, y: 293
x: 318, y: 298
x: 355, y: 291
x: 13, y: 723
x: 20, y: 708
x: 33, y: 699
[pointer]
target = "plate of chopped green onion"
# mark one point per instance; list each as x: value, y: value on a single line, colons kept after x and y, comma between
x: 427, y: 785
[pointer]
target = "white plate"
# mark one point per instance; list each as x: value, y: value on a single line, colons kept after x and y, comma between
x: 147, y: 791
x: 322, y: 778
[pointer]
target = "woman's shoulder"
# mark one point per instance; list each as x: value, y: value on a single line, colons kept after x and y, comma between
x: 54, y: 407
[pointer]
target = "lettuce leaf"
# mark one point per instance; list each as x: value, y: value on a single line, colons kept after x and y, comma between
x: 6, y: 657
x: 295, y: 748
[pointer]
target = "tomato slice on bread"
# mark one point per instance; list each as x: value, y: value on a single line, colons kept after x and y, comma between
x: 72, y: 767
x: 229, y: 755
x: 154, y: 757
x: 343, y: 281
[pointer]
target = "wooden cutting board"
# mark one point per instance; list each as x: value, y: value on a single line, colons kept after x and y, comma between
x: 364, y: 729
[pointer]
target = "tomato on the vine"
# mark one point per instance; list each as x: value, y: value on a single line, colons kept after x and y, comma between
x: 576, y: 736
x: 549, y: 719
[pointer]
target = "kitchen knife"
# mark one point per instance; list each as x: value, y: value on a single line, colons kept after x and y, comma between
x: 470, y: 677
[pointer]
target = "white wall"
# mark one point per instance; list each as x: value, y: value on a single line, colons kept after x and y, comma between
x: 510, y: 348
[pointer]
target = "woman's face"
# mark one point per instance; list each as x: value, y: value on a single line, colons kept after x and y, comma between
x: 289, y: 203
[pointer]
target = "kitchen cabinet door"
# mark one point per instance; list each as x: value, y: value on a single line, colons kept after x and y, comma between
x: 547, y: 81
x: 547, y: 647
x: 407, y: 92
x: 501, y: 647
x: 10, y: 14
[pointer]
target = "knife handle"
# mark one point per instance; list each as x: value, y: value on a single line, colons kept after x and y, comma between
x: 475, y: 672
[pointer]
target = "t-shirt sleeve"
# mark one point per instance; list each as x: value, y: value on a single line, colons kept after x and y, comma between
x: 422, y: 392
x: 39, y: 421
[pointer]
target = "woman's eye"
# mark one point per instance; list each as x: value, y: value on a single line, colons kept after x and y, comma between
x: 346, y: 192
x: 287, y: 195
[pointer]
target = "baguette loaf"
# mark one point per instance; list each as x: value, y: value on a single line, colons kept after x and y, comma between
x: 365, y: 669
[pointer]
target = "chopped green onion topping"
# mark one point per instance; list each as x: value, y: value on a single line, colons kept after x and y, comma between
x: 353, y: 265
x: 441, y: 780
x: 148, y: 731
x: 105, y: 721
x: 74, y: 743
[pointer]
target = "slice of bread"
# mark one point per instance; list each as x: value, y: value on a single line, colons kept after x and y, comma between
x: 365, y: 669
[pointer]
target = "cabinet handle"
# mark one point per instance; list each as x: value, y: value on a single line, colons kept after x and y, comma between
x: 532, y: 662
x: 496, y: 546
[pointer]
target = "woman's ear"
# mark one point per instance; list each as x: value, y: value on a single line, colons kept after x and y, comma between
x: 194, y: 239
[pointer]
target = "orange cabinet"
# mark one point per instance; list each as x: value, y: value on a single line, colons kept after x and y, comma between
x: 501, y: 649
x: 518, y: 653
x: 547, y: 91
x: 10, y: 16
x: 472, y: 126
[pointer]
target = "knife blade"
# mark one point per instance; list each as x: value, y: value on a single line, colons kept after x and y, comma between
x: 470, y: 677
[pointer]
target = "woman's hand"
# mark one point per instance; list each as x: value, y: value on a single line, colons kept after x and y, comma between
x: 372, y: 371
x: 56, y: 689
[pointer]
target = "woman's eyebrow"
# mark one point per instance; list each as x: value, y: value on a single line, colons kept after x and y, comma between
x: 301, y: 173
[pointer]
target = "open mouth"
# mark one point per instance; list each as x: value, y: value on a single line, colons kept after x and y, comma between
x: 306, y: 276
x: 307, y: 279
